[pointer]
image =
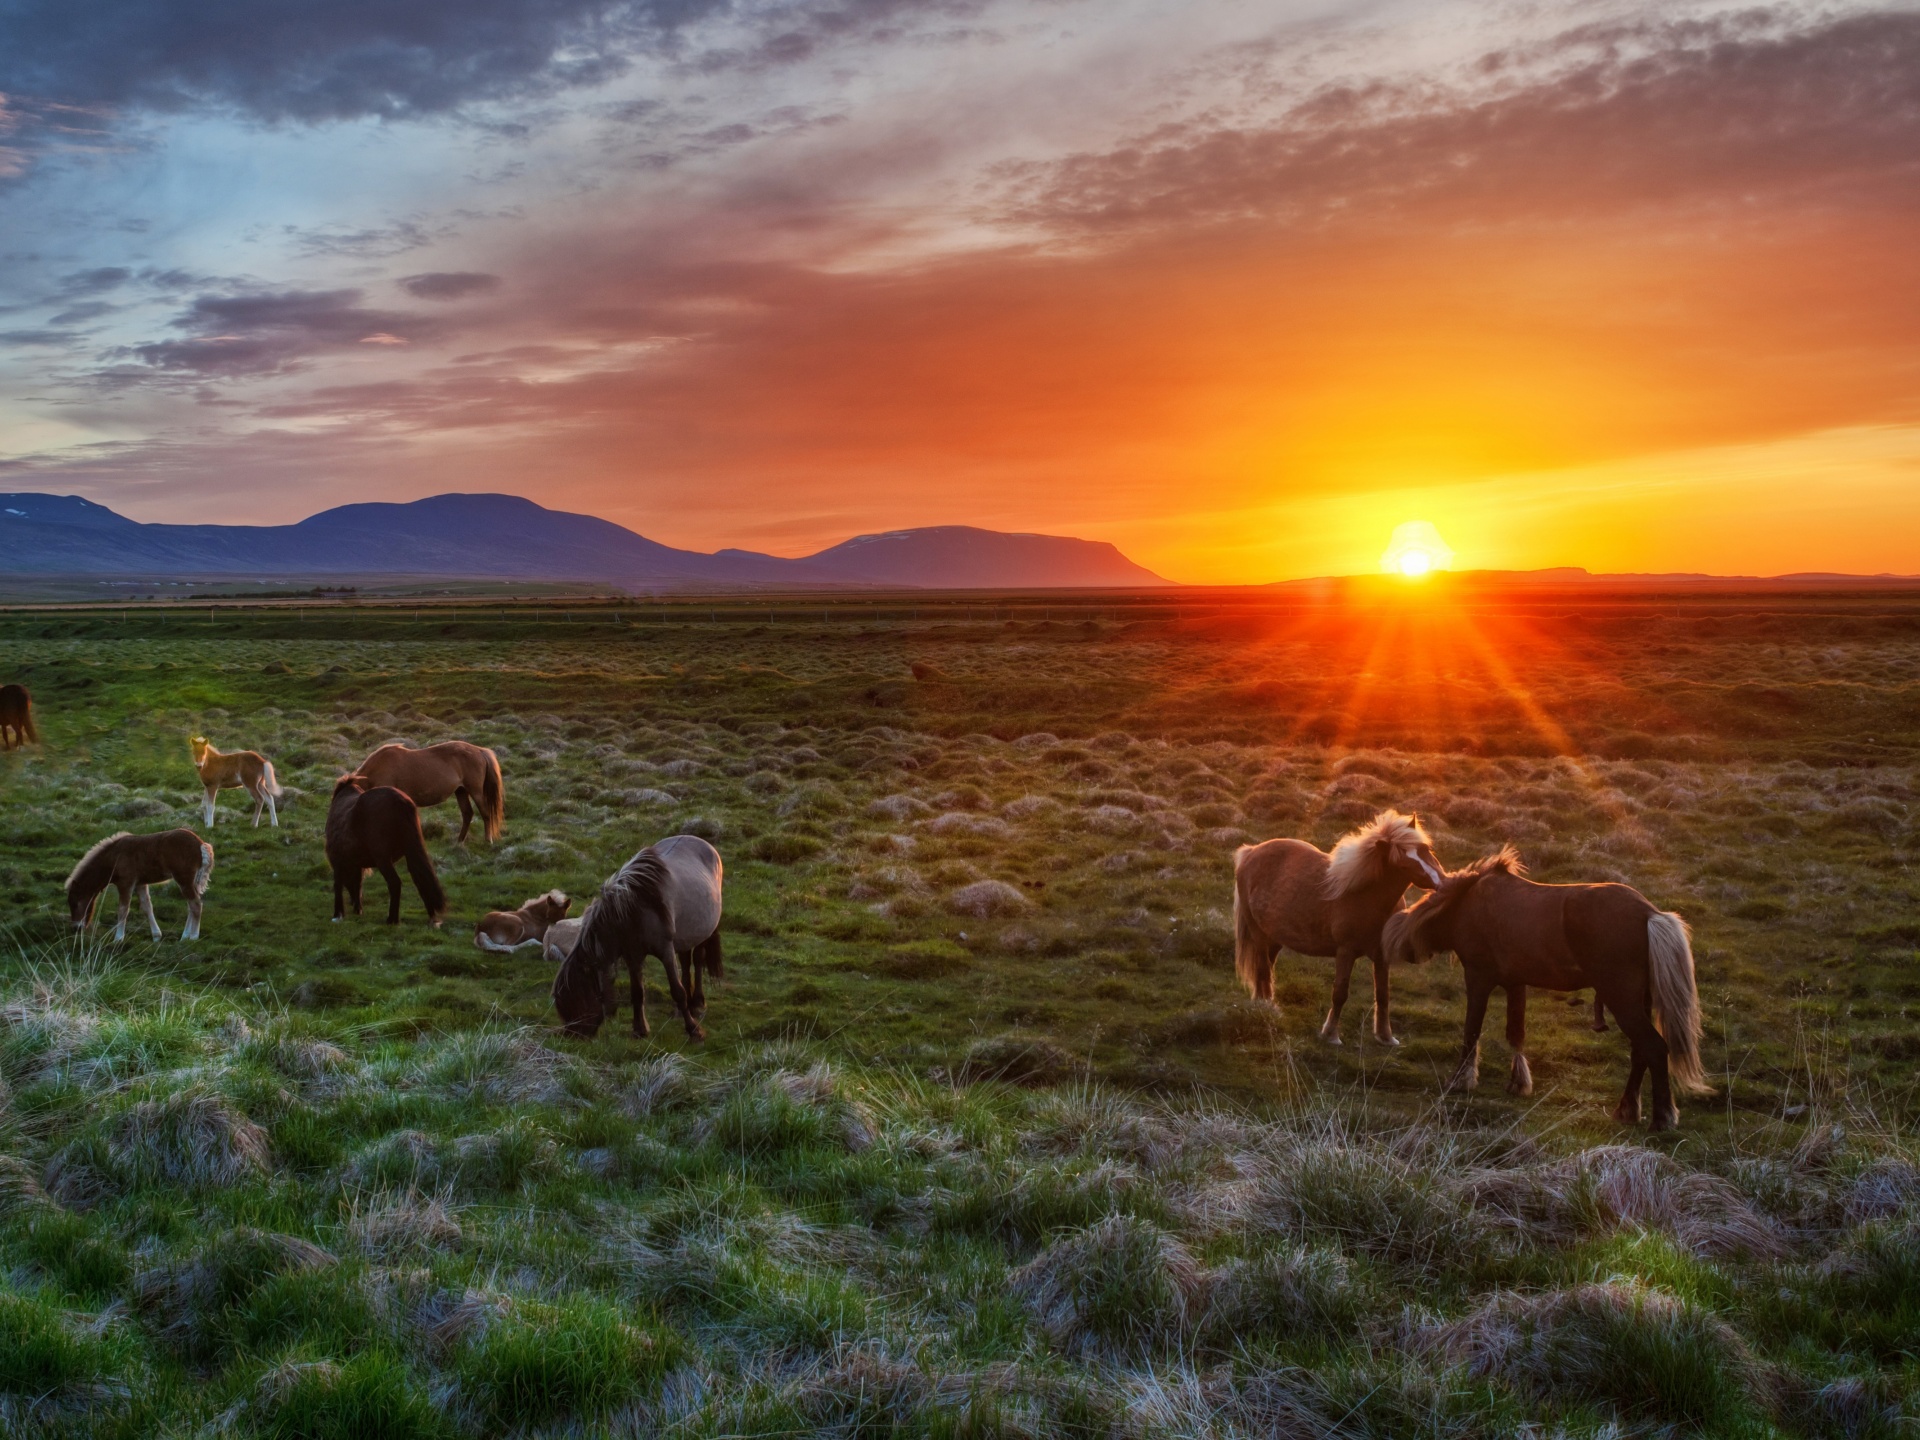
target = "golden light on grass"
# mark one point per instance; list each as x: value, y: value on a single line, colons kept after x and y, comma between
x: 1416, y: 550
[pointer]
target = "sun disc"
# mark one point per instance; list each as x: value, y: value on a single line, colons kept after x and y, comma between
x: 1416, y: 551
x: 1415, y: 563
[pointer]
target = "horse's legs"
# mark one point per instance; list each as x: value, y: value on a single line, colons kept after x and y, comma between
x: 466, y: 814
x: 696, y: 981
x: 1382, y: 1000
x: 1520, y: 1081
x: 126, y: 903
x: 212, y: 792
x: 392, y: 877
x: 146, y: 907
x: 356, y: 881
x: 1599, y: 1013
x: 184, y: 884
x: 641, y: 1029
x: 273, y: 810
x: 1342, y: 983
x: 259, y: 804
x: 671, y: 960
x: 1466, y: 1075
x: 339, y: 895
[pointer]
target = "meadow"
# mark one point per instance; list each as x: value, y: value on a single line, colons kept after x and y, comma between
x: 984, y: 1139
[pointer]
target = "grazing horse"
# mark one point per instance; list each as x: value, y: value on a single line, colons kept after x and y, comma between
x: 453, y: 768
x: 665, y: 901
x: 1288, y: 894
x: 368, y: 828
x: 562, y: 936
x: 130, y: 863
x: 246, y: 770
x: 1512, y: 933
x: 16, y: 717
x: 510, y: 929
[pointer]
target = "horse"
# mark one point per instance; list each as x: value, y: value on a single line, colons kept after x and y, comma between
x: 501, y: 930
x: 16, y: 717
x: 246, y: 770
x: 467, y: 773
x: 368, y: 828
x: 664, y: 901
x: 1289, y: 894
x: 562, y: 936
x: 1511, y: 932
x: 130, y: 863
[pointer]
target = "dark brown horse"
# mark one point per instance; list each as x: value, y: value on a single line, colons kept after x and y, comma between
x: 130, y: 863
x: 665, y: 901
x: 1289, y: 895
x: 1511, y: 933
x: 368, y: 828
x: 452, y: 769
x: 16, y: 717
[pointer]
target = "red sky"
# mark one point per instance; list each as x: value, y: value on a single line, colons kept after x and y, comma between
x: 1612, y: 285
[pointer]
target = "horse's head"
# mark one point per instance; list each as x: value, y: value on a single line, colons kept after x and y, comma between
x: 583, y: 986
x: 1401, y: 941
x: 1410, y: 850
x: 1390, y: 847
x: 351, y: 783
x: 553, y: 905
x: 199, y: 744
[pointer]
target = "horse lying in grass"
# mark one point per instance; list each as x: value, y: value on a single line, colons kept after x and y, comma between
x: 562, y: 936
x: 453, y: 769
x: 368, y: 828
x: 1512, y: 933
x: 16, y: 717
x: 501, y: 930
x: 665, y: 901
x: 1288, y: 894
x: 130, y: 863
x: 246, y: 770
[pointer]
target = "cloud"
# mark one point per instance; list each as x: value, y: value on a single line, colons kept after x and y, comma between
x: 448, y: 284
x: 248, y: 335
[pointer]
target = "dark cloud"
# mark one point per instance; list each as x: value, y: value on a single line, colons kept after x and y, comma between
x: 38, y: 337
x: 448, y: 284
x: 83, y: 312
x: 1601, y: 119
x: 269, y: 332
x: 95, y: 281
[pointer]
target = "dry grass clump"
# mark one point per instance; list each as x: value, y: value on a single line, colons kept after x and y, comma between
x: 1279, y: 1291
x: 788, y: 1109
x: 655, y: 1086
x: 186, y: 1301
x: 19, y: 1187
x: 499, y: 1067
x: 1017, y: 1059
x: 1643, y: 1352
x: 985, y: 899
x: 1612, y: 1186
x: 395, y: 1224
x: 195, y: 1138
x: 1122, y: 1286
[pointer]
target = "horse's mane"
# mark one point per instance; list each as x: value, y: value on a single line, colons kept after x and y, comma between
x: 93, y: 855
x: 552, y: 897
x: 638, y: 886
x: 1455, y: 888
x: 1360, y: 855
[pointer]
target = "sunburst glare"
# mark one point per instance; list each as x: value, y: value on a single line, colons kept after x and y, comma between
x: 1416, y: 550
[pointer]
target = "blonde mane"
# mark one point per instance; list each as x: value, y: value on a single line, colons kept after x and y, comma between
x: 1360, y: 856
x: 94, y: 854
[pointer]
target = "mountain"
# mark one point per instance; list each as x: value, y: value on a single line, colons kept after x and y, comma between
x: 507, y: 537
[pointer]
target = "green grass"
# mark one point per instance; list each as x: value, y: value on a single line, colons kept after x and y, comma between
x: 984, y: 1141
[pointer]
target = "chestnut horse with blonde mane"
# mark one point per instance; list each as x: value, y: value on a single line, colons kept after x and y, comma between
x: 452, y: 769
x: 1290, y: 895
x: 246, y: 770
x: 130, y: 863
x: 1510, y: 932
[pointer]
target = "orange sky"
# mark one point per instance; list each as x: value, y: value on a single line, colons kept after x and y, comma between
x: 1613, y: 286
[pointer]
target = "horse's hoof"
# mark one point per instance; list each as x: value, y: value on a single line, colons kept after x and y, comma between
x: 1623, y: 1116
x: 694, y: 1032
x: 1668, y: 1120
x: 1331, y: 1039
x: 1514, y: 1087
x: 1390, y: 1041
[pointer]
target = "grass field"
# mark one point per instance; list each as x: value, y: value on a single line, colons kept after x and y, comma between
x: 984, y: 1141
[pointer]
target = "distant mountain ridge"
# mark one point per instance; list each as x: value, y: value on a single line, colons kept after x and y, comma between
x: 489, y: 536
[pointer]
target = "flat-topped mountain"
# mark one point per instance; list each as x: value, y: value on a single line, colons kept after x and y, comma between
x: 507, y: 537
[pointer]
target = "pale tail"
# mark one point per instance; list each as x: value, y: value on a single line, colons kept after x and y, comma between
x: 1676, y: 1000
x: 267, y: 782
x: 205, y: 872
x: 1252, y: 956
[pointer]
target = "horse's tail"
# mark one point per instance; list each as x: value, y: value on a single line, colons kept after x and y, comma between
x: 204, y: 874
x: 26, y: 724
x: 711, y: 957
x: 493, y: 797
x: 1676, y: 999
x: 268, y: 782
x: 420, y: 867
x: 1252, y: 955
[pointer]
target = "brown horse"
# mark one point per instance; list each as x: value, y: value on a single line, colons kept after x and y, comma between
x: 453, y: 768
x: 368, y: 828
x: 16, y: 717
x: 246, y: 770
x: 1512, y: 933
x: 510, y: 929
x: 130, y: 863
x: 1288, y: 894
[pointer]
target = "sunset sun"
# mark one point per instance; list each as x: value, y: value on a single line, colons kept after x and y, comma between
x: 1415, y: 551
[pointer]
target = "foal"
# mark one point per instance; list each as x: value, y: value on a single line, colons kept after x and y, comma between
x: 130, y: 863
x: 239, y: 770
x: 16, y: 717
x: 510, y: 929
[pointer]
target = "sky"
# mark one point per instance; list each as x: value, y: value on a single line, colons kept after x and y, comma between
x: 1241, y: 287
